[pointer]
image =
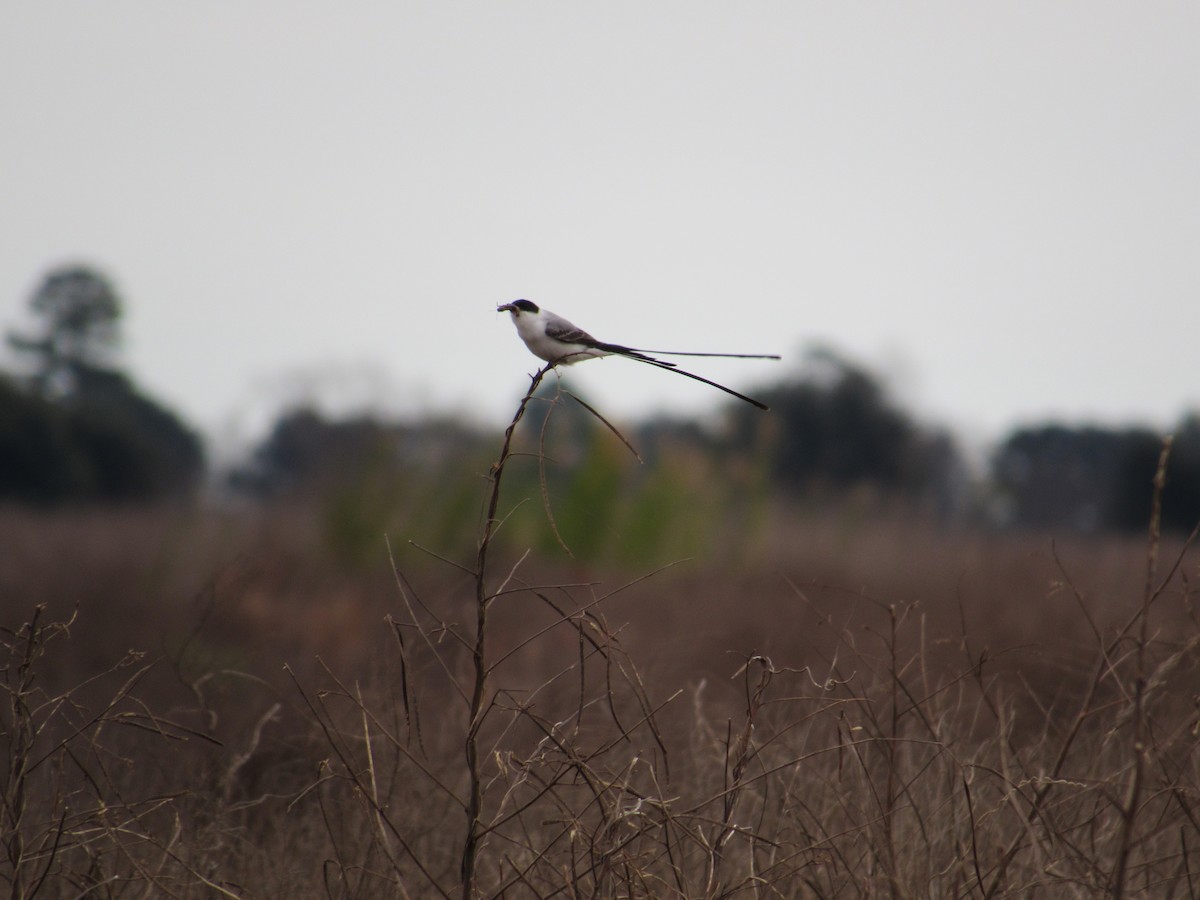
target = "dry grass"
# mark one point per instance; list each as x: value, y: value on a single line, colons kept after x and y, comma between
x: 879, y: 708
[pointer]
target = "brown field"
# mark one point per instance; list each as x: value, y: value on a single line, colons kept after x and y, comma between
x: 213, y: 704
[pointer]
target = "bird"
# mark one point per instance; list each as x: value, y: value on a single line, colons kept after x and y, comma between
x: 552, y: 338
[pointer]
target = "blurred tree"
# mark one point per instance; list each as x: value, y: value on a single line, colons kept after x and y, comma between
x: 39, y: 464
x: 1096, y: 479
x: 1056, y: 476
x: 80, y: 430
x: 364, y: 477
x: 135, y: 448
x: 1133, y: 489
x: 306, y: 453
x: 78, y: 314
x: 834, y: 427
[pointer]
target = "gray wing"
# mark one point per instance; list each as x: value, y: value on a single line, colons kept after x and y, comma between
x: 560, y: 329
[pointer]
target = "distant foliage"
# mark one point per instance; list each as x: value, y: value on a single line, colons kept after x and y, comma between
x: 38, y: 460
x: 78, y: 317
x: 365, y: 477
x: 836, y: 428
x: 306, y: 452
x: 1095, y: 479
x: 77, y: 429
x: 135, y: 448
x: 309, y: 453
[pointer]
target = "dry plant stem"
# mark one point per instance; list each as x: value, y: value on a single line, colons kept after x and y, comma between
x: 20, y: 721
x: 541, y: 461
x: 541, y: 457
x: 1140, y: 750
x: 739, y: 754
x: 609, y: 425
x: 29, y: 847
x: 479, y: 651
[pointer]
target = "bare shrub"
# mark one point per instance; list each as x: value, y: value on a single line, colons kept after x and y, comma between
x: 848, y: 725
x: 873, y: 768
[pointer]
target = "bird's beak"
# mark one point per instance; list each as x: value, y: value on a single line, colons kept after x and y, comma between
x: 507, y: 307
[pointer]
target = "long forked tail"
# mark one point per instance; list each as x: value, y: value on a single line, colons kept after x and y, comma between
x: 631, y: 351
x: 671, y: 367
x: 721, y: 355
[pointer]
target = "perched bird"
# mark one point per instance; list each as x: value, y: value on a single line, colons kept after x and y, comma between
x: 554, y: 339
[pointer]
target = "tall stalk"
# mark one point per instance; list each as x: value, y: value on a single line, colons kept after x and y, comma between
x: 479, y: 651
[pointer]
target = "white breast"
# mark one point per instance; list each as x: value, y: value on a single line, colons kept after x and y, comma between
x: 533, y: 332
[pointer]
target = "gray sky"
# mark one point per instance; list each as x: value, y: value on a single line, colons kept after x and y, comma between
x: 997, y: 205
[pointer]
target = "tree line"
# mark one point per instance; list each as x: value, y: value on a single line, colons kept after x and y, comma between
x: 75, y: 428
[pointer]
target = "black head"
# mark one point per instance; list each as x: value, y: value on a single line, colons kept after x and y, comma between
x: 518, y: 305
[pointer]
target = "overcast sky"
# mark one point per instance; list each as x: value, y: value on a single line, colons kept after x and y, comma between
x: 995, y: 205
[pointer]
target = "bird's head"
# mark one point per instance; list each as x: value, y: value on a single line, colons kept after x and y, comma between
x: 517, y: 307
